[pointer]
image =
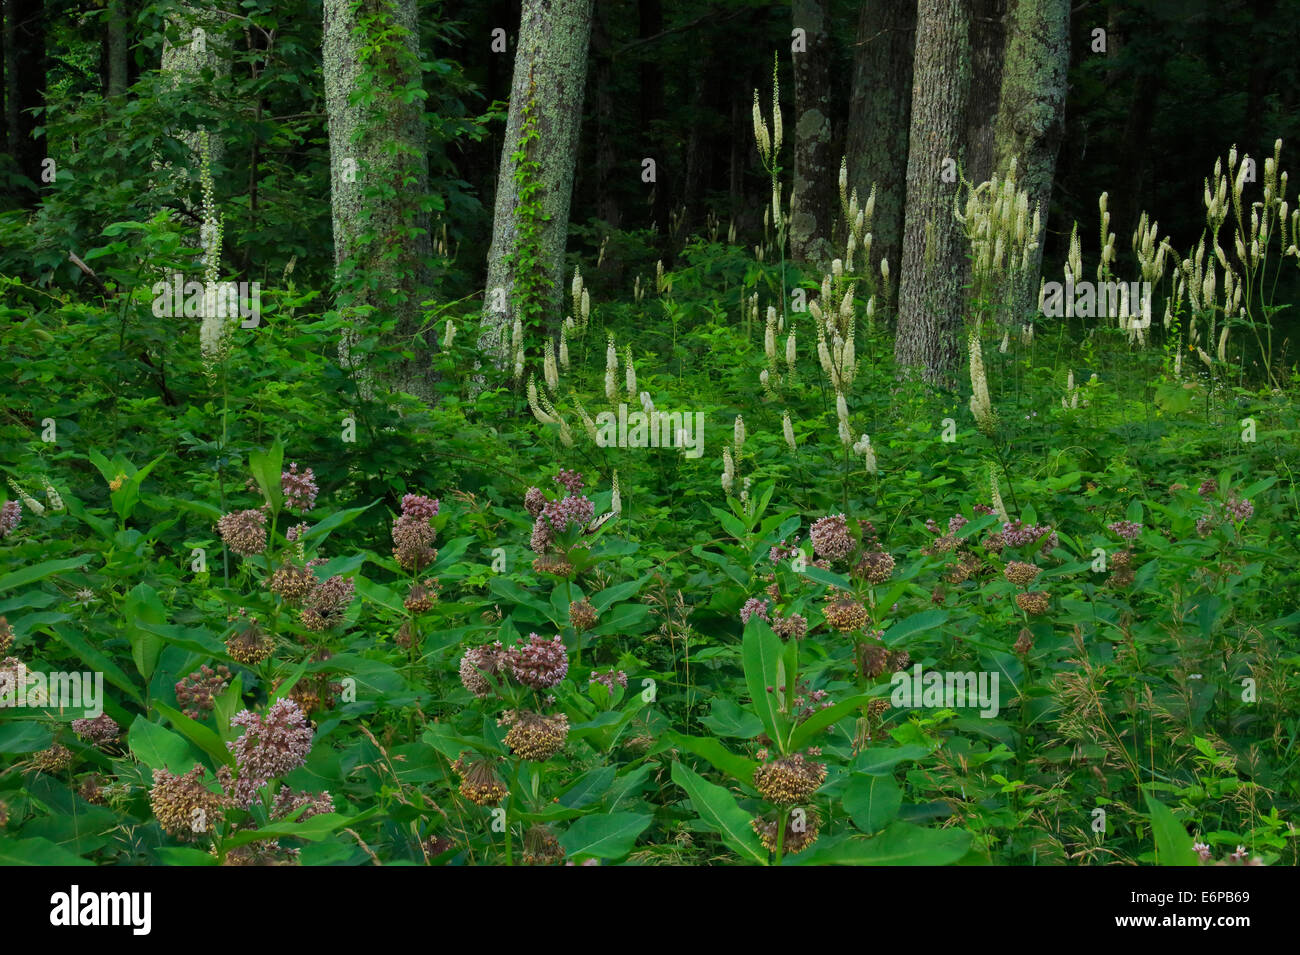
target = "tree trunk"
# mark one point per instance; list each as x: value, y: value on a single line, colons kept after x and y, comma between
x: 25, y: 89
x: 198, y: 48
x: 650, y: 16
x: 116, y: 45
x: 812, y: 202
x: 987, y: 47
x: 930, y: 296
x: 1031, y: 119
x: 606, y: 127
x: 550, y: 67
x: 879, y: 109
x: 378, y: 176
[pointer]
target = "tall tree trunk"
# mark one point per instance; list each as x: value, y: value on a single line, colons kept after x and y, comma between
x: 550, y: 67
x: 879, y: 110
x: 812, y: 202
x: 930, y: 298
x: 987, y: 47
x: 378, y: 175
x: 1031, y: 119
x: 198, y: 48
x: 650, y: 15
x: 6, y: 71
x: 116, y: 45
x: 25, y: 89
x: 606, y: 128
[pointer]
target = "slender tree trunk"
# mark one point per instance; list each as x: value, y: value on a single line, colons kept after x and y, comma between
x: 1258, y: 83
x: 198, y: 48
x: 116, y: 45
x: 6, y: 71
x: 603, y: 86
x: 879, y: 110
x: 930, y: 298
x: 987, y: 47
x: 650, y: 15
x: 550, y: 66
x: 812, y: 201
x: 379, y: 176
x: 1031, y: 119
x: 25, y: 89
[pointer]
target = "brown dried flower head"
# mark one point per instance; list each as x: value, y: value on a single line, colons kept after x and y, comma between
x: 1020, y: 573
x: 53, y: 760
x: 789, y: 779
x: 479, y: 664
x: 251, y: 645
x: 183, y: 805
x: 1033, y: 602
x: 875, y: 567
x: 537, y: 737
x: 582, y: 615
x: 557, y: 565
x: 422, y: 597
x: 292, y: 583
x: 244, y: 532
x: 801, y: 828
x: 542, y: 847
x: 845, y: 614
x: 479, y: 782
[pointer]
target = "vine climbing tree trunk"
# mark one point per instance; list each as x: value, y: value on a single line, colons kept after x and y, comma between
x: 379, y: 181
x: 549, y: 76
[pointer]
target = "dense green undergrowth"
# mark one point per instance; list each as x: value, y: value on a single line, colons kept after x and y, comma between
x: 1122, y: 558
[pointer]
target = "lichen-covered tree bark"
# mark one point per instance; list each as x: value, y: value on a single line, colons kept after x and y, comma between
x: 551, y: 61
x: 1031, y: 119
x: 879, y: 109
x: 378, y: 177
x: 812, y: 206
x: 198, y: 48
x: 930, y: 296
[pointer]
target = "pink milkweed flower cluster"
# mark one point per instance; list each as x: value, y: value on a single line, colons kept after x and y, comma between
x: 244, y: 532
x: 271, y: 746
x: 299, y: 489
x: 754, y: 606
x: 10, y: 514
x: 1125, y: 529
x: 413, y: 535
x: 553, y: 518
x: 831, y: 538
x: 539, y: 663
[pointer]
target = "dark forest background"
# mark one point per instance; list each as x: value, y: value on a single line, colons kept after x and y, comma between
x: 1180, y: 81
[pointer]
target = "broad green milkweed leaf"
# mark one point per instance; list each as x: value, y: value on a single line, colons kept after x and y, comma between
x: 1173, y: 844
x: 872, y: 802
x: 719, y: 812
x: 267, y: 467
x: 198, y: 734
x: 737, y: 767
x: 159, y: 748
x: 902, y: 843
x: 761, y: 653
x: 608, y: 836
x: 29, y: 575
